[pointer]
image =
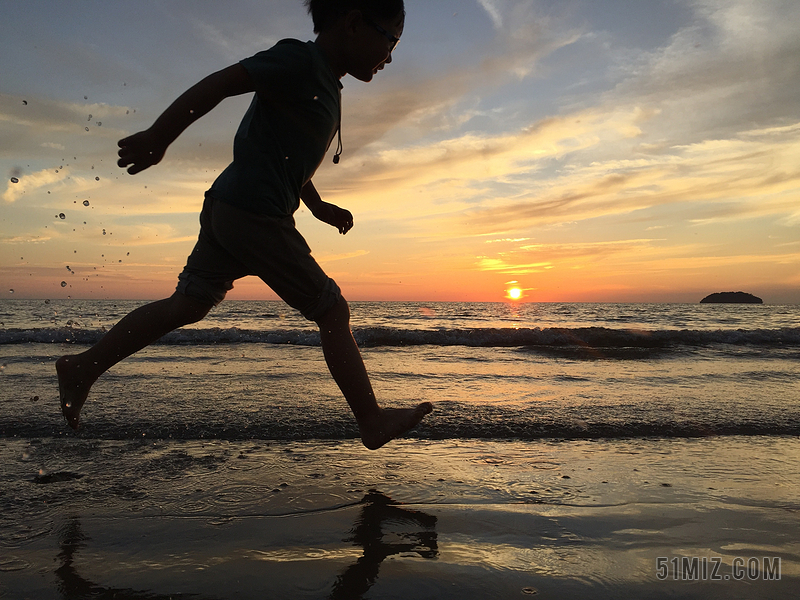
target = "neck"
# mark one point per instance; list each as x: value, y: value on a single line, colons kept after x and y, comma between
x: 331, y: 50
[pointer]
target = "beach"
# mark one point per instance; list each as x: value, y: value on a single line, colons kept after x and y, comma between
x: 572, y: 452
x: 476, y: 519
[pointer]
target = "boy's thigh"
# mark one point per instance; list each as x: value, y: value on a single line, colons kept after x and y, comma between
x: 272, y: 249
x: 210, y: 271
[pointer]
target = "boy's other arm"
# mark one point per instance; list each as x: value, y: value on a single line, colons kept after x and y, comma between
x: 146, y: 148
x: 325, y: 211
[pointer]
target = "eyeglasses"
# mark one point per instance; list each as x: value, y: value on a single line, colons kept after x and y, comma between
x: 393, y: 41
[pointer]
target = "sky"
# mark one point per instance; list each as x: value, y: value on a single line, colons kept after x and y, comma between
x: 579, y: 150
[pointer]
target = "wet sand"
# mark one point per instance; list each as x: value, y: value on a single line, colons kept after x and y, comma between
x: 422, y: 519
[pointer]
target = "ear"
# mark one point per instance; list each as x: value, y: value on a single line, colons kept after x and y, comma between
x: 352, y: 21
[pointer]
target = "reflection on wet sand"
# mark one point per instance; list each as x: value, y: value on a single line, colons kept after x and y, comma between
x: 383, y: 529
x: 379, y: 511
x: 72, y: 585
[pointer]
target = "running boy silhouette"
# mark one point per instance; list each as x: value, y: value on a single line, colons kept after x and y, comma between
x: 246, y: 225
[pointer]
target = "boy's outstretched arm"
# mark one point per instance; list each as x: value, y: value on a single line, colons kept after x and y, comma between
x: 325, y: 211
x: 146, y: 148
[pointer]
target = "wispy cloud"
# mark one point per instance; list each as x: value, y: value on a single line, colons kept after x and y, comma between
x: 491, y: 8
x: 32, y: 182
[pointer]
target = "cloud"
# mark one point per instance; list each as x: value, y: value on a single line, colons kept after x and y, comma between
x: 421, y: 102
x: 27, y: 126
x: 32, y: 182
x: 328, y: 258
x: 490, y: 6
x: 233, y: 46
x: 537, y: 258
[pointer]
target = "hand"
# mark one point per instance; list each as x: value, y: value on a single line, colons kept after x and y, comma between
x: 333, y: 215
x: 140, y: 151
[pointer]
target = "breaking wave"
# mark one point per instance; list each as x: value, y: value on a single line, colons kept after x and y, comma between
x: 586, y: 337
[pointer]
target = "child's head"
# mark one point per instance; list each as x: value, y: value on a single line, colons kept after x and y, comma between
x: 360, y: 35
x: 325, y: 13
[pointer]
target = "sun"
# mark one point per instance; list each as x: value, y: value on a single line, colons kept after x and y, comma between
x: 514, y: 293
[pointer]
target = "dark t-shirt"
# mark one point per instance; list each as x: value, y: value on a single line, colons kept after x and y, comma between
x: 286, y: 131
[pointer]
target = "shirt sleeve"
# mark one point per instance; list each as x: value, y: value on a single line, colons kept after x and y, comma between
x: 277, y: 71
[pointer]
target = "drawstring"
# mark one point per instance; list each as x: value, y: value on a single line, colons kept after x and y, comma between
x: 339, y: 147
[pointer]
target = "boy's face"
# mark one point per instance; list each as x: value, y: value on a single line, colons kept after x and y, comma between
x: 374, y: 41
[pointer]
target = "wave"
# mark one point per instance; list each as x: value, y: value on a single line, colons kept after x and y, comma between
x: 447, y: 425
x: 371, y: 337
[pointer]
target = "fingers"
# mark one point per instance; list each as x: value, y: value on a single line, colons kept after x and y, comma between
x: 137, y: 160
x: 348, y: 225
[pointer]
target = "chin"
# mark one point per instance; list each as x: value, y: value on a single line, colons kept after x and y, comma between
x: 365, y: 77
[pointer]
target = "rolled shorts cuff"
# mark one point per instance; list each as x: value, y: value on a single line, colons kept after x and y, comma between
x: 197, y: 288
x: 327, y: 299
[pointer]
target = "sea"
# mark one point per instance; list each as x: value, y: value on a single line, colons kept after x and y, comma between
x: 254, y: 370
x: 575, y: 450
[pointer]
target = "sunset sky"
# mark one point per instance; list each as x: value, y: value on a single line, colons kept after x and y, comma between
x: 594, y: 150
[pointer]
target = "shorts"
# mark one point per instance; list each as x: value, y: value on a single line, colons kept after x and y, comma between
x: 234, y: 243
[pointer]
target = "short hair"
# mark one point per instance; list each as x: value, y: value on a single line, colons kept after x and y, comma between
x: 324, y: 13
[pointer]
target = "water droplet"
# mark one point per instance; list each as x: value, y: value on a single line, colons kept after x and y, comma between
x: 86, y: 97
x: 87, y: 129
x: 63, y: 284
x: 97, y: 179
x: 86, y: 203
x: 104, y: 231
x: 99, y: 123
x: 128, y: 254
x: 25, y: 103
x: 90, y: 118
x: 11, y: 291
x: 14, y: 180
x: 62, y: 216
x: 316, y: 97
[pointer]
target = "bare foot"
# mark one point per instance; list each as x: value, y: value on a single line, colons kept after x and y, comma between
x: 392, y: 423
x: 73, y: 388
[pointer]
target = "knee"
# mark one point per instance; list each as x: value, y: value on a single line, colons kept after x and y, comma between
x: 188, y: 310
x: 338, y: 316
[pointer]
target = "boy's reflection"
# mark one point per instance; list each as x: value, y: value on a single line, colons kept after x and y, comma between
x: 379, y: 511
x: 73, y: 586
x: 380, y: 518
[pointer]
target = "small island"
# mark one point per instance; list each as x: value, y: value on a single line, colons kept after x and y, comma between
x: 731, y: 298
